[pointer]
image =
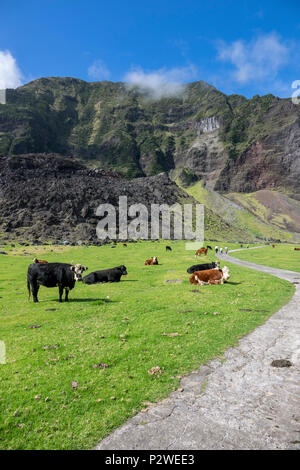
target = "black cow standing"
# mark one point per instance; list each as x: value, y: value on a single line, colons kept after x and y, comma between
x: 59, y: 275
x: 106, y: 275
x: 203, y: 267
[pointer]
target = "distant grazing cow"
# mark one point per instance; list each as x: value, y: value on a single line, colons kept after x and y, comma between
x: 273, y: 246
x: 211, y: 276
x: 203, y: 267
x: 168, y: 248
x: 51, y: 275
x: 124, y: 244
x: 216, y: 249
x: 152, y: 261
x: 209, y: 247
x: 221, y: 251
x: 297, y: 249
x: 40, y: 261
x: 200, y: 252
x: 106, y: 275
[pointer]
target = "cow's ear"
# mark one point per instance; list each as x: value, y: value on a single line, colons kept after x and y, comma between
x: 86, y: 268
x: 72, y: 268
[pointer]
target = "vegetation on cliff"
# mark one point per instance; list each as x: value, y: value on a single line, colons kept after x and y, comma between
x: 113, y: 126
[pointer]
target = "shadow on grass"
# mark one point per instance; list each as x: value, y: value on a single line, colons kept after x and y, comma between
x: 91, y: 300
x: 234, y: 283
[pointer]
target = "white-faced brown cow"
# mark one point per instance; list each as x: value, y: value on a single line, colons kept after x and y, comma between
x: 40, y: 261
x: 152, y: 261
x: 211, y: 276
x: 201, y: 251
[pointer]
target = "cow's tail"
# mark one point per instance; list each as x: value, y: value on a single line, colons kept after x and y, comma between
x: 28, y: 287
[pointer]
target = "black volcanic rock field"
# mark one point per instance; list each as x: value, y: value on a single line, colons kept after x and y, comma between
x: 54, y: 198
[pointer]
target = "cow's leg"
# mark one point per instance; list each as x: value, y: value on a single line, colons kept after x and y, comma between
x: 35, y: 288
x: 201, y: 283
x: 61, y: 291
x: 67, y: 294
x: 215, y: 282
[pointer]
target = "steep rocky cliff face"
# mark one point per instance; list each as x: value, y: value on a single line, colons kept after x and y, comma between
x: 272, y: 161
x: 232, y: 144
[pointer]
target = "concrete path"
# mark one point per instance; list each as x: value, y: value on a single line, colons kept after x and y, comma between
x: 242, y: 403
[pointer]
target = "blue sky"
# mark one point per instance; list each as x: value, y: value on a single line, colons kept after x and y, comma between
x: 246, y: 47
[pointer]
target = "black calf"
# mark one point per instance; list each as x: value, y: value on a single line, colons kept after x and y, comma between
x: 203, y: 267
x: 106, y: 275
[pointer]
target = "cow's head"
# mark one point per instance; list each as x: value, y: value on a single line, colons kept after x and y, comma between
x: 123, y: 270
x: 78, y: 270
x: 154, y: 259
x: 217, y: 265
x: 226, y: 274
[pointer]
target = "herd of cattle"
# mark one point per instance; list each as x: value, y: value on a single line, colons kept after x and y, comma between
x: 64, y: 276
x: 203, y: 251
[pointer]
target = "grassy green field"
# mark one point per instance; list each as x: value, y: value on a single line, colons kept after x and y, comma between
x: 282, y: 256
x: 120, y: 325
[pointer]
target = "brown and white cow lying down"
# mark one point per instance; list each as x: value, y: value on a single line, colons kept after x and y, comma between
x: 151, y: 261
x: 40, y: 261
x: 210, y: 276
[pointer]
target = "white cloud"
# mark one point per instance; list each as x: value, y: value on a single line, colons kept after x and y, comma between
x: 98, y: 71
x: 10, y: 74
x: 161, y: 83
x: 256, y: 60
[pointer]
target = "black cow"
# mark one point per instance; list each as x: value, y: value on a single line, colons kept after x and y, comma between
x: 168, y: 248
x: 203, y: 267
x: 61, y: 275
x: 106, y: 275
